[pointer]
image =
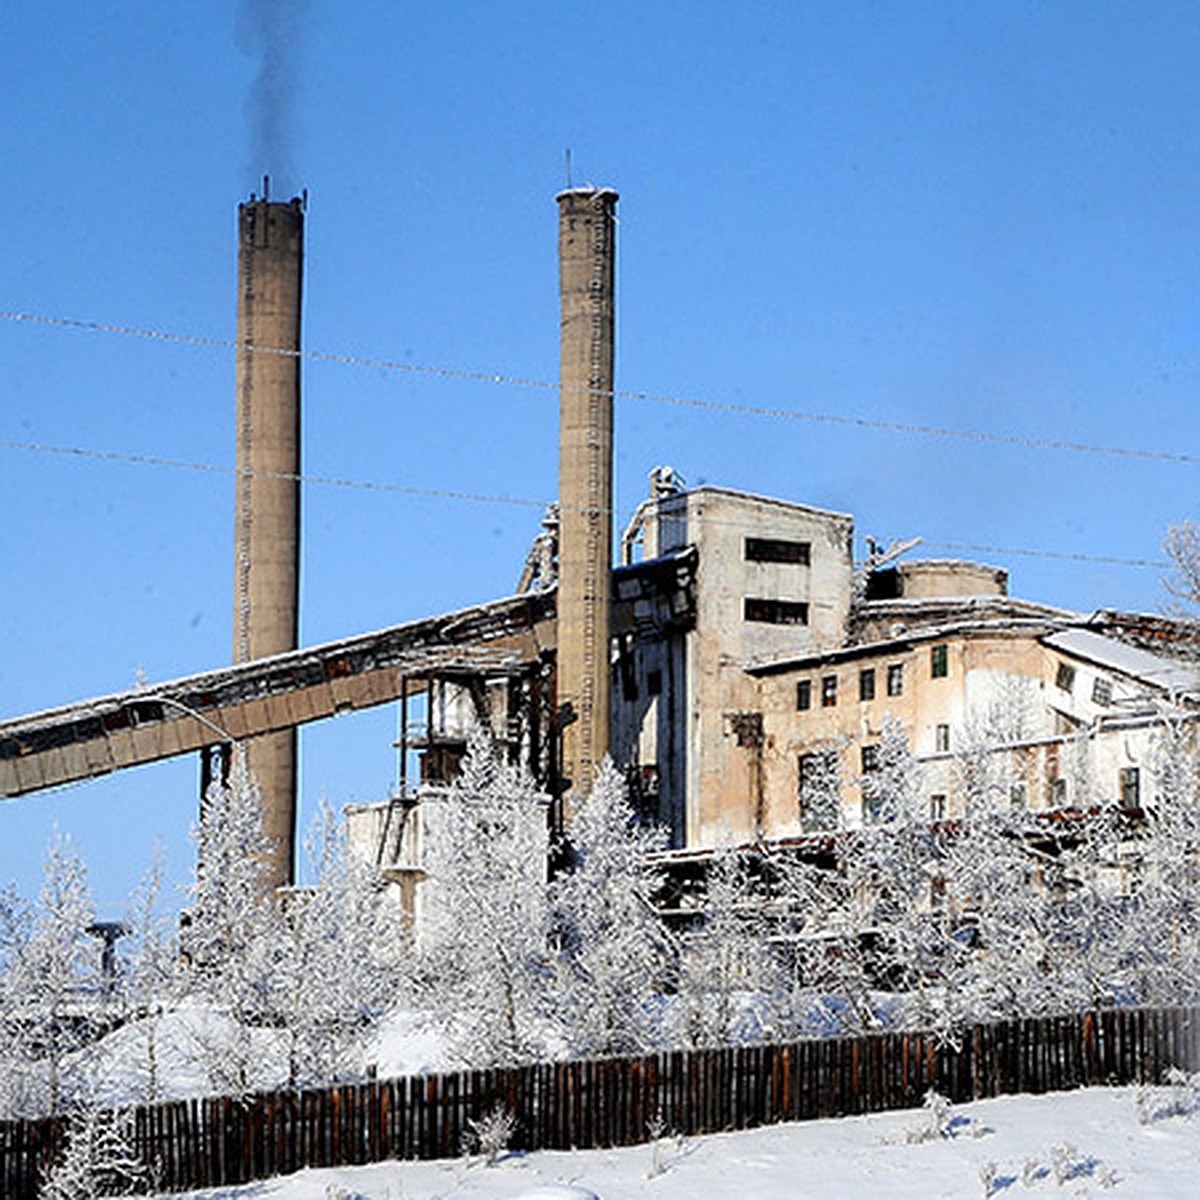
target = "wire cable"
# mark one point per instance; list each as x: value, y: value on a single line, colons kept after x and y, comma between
x: 879, y: 424
x: 405, y: 489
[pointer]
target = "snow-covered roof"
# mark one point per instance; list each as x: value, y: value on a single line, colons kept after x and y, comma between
x: 1158, y: 672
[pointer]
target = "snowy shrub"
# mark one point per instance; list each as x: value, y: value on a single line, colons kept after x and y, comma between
x: 987, y: 1177
x: 1177, y: 1096
x: 489, y: 1135
x: 937, y: 1122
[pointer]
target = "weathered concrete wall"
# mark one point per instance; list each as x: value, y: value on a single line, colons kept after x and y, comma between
x: 267, y: 551
x: 586, y: 253
x: 772, y: 578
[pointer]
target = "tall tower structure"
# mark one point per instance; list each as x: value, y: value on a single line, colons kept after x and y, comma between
x: 267, y: 551
x: 586, y: 258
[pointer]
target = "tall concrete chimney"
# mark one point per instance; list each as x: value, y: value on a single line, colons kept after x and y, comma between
x: 586, y: 259
x: 267, y: 559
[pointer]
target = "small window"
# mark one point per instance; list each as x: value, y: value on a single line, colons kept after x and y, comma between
x: 777, y: 550
x: 870, y: 759
x: 804, y: 695
x: 1065, y: 678
x: 939, y: 662
x: 895, y: 679
x: 1131, y: 787
x: 654, y: 683
x: 937, y: 807
x: 866, y: 684
x: 775, y: 612
x: 941, y: 739
x: 1016, y: 797
x: 828, y: 691
x: 1102, y: 692
x: 1058, y: 792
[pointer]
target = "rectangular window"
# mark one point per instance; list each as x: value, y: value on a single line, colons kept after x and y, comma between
x: 775, y: 612
x: 1058, y: 792
x: 866, y: 684
x: 941, y: 739
x: 828, y: 691
x: 895, y: 679
x: 654, y: 683
x: 937, y: 807
x: 804, y: 695
x: 1065, y: 678
x: 777, y: 550
x: 1102, y: 692
x: 939, y: 662
x: 870, y: 759
x: 1131, y: 787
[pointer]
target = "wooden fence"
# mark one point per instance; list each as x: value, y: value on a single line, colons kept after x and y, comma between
x: 613, y: 1102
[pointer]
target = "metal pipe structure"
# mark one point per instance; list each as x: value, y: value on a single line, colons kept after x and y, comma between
x: 267, y: 555
x: 587, y: 258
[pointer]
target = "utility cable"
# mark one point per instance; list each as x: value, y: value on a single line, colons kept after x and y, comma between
x: 404, y: 489
x: 722, y: 406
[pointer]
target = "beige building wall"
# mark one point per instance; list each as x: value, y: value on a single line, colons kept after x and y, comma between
x: 773, y: 578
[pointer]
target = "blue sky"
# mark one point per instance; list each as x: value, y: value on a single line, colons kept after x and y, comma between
x: 978, y: 216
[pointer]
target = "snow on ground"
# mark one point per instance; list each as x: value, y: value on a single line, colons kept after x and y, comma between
x: 1085, y: 1143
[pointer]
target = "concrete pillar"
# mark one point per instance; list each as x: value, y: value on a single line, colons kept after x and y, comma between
x: 587, y: 257
x: 267, y: 557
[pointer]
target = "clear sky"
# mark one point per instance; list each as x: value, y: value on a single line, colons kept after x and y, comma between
x: 976, y: 216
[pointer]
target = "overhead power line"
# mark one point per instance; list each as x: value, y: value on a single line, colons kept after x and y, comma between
x: 405, y: 489
x: 878, y: 424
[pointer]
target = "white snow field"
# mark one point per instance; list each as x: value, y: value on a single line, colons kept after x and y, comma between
x: 1096, y: 1142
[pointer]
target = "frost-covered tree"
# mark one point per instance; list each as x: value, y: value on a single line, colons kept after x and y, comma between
x: 150, y: 985
x: 97, y: 1158
x: 728, y: 979
x: 889, y: 867
x: 484, y: 918
x: 49, y: 987
x: 230, y: 941
x: 1166, y: 875
x: 338, y: 959
x: 613, y: 952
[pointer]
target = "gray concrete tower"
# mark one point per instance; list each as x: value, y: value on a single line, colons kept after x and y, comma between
x: 267, y: 558
x: 586, y: 257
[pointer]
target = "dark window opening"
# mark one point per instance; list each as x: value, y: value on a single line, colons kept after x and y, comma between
x: 804, y: 695
x: 937, y: 807
x: 941, y: 740
x: 828, y: 691
x: 777, y: 550
x: 654, y: 683
x: 895, y: 679
x: 1102, y: 692
x: 775, y: 612
x: 939, y: 662
x: 870, y: 759
x: 1131, y: 787
x: 866, y: 684
x: 1065, y: 678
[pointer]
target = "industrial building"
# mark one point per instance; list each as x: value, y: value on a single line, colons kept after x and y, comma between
x: 733, y: 655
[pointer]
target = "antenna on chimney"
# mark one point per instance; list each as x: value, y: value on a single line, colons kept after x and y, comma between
x: 266, y: 187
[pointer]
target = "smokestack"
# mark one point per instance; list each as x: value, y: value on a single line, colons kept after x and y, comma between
x: 267, y: 557
x: 586, y: 259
